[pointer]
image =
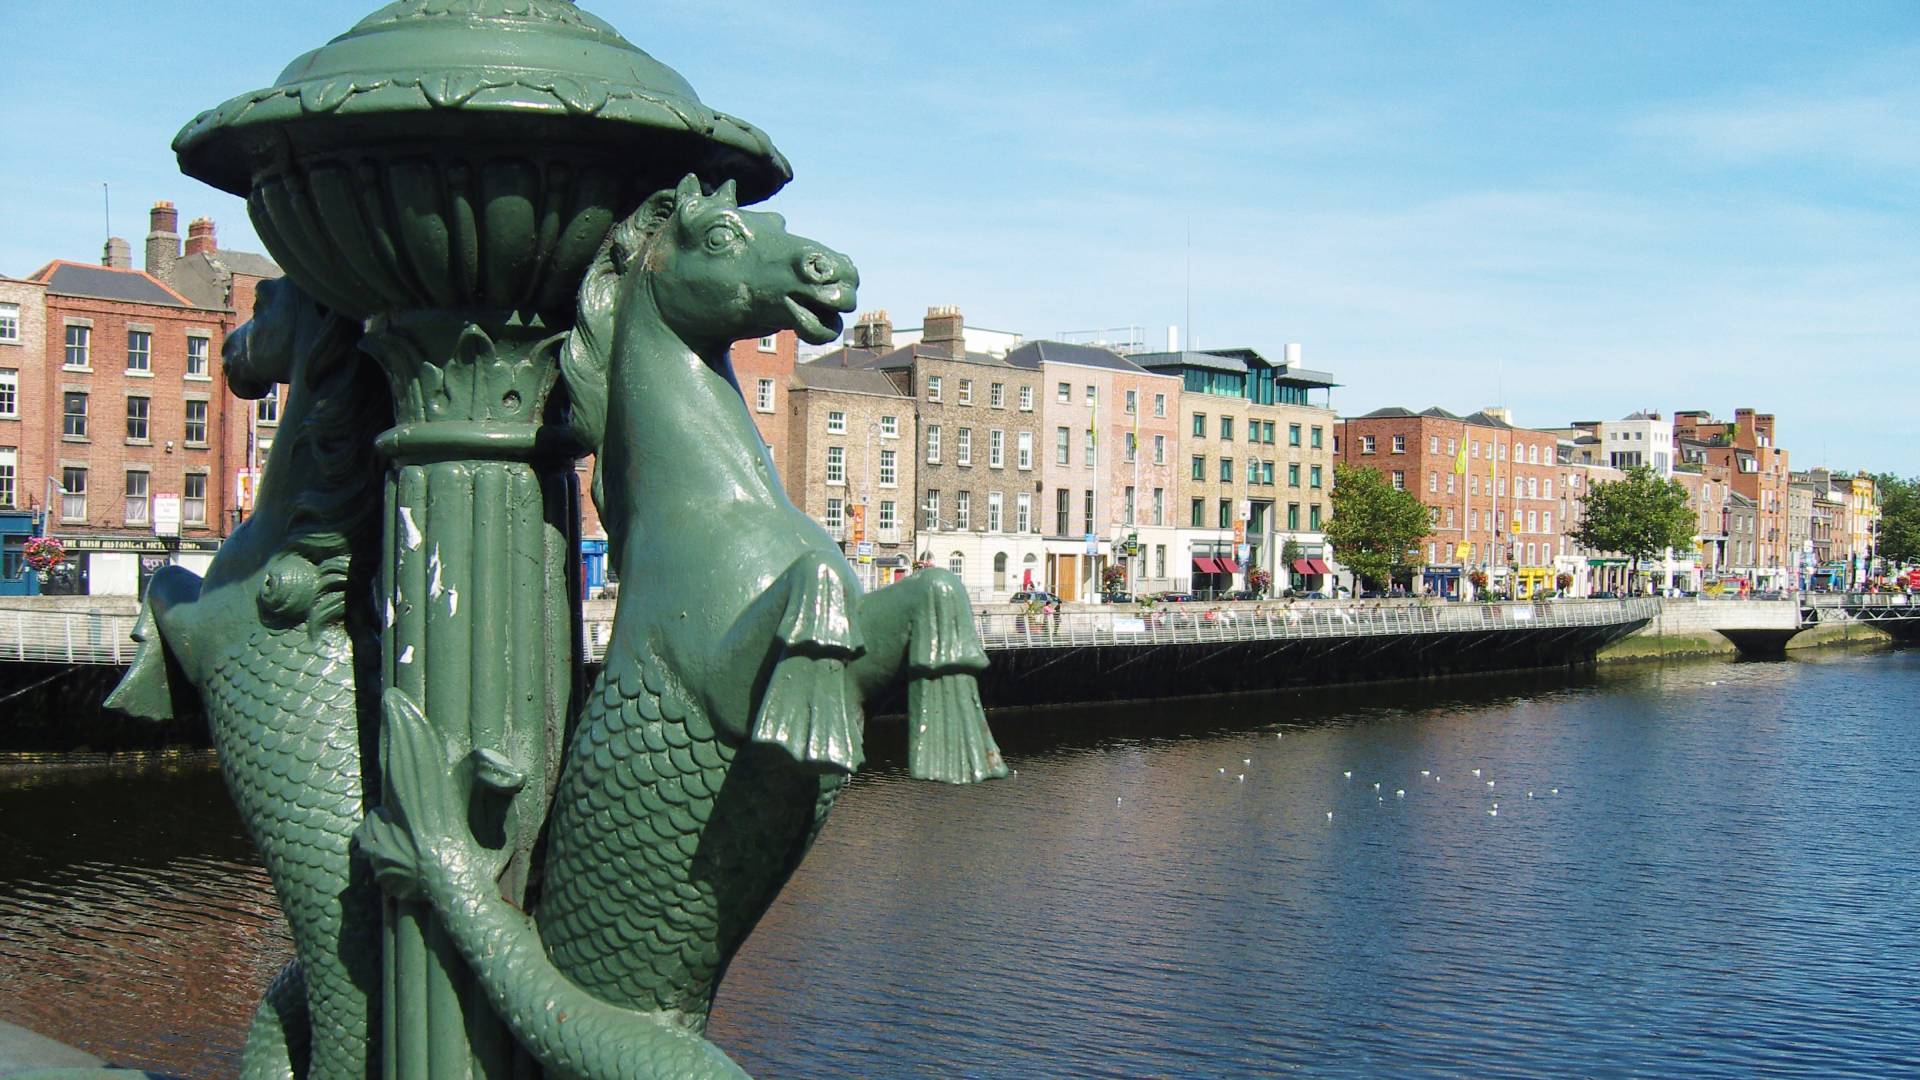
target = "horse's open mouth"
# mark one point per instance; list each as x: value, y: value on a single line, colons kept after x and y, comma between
x: 815, y: 319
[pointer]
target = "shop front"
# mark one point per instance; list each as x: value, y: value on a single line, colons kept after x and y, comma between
x: 1609, y: 574
x: 16, y: 577
x: 1214, y: 567
x: 123, y: 565
x: 1311, y: 575
x: 1443, y: 581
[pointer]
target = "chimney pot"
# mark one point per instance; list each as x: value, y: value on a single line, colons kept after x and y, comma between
x: 118, y: 254
x: 200, y: 237
x: 163, y: 242
x: 945, y: 328
x: 873, y: 330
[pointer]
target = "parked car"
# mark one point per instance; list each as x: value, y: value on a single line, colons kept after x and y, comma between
x: 1035, y: 596
x: 1315, y: 595
x: 1175, y: 598
x: 1604, y: 594
x: 1117, y: 597
x: 1244, y: 594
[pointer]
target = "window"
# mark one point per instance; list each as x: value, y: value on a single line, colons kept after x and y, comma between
x: 1024, y: 452
x: 1159, y: 404
x: 1313, y: 477
x: 1092, y: 396
x: 889, y: 468
x: 1062, y: 445
x: 1399, y: 480
x: 933, y: 388
x: 1090, y: 448
x: 9, y: 392
x: 1199, y: 425
x: 73, y: 494
x: 963, y: 446
x: 79, y: 346
x: 9, y: 324
x: 1128, y: 505
x: 1533, y: 487
x: 1433, y: 482
x: 1293, y: 474
x: 1026, y: 399
x: 996, y: 448
x: 1450, y: 479
x: 1546, y: 488
x: 1293, y: 434
x: 9, y: 476
x: 1366, y: 444
x: 137, y: 419
x: 1399, y: 444
x: 966, y: 391
x: 1199, y: 468
x: 1253, y: 470
x: 1226, y: 514
x: 1313, y: 517
x: 1533, y: 521
x: 1226, y: 470
x: 1546, y: 521
x: 769, y: 344
x: 963, y: 510
x: 933, y: 444
x: 1433, y: 444
x: 890, y: 427
x: 1133, y: 446
x: 1293, y: 517
x: 763, y: 395
x: 997, y: 396
x: 993, y: 511
x: 887, y: 521
x: 195, y: 427
x: 1086, y: 513
x: 193, y: 499
x: 1473, y: 483
x: 1159, y: 449
x: 1314, y: 436
x: 136, y: 496
x: 1063, y: 393
x: 1159, y: 505
x: 1266, y: 434
x: 140, y: 350
x: 1133, y: 402
x: 836, y: 422
x: 267, y: 409
x: 957, y: 565
x: 197, y: 348
x: 74, y: 426
x: 836, y: 464
x: 1023, y: 513
x: 836, y: 517
x: 932, y: 511
x: 1196, y: 513
x: 1226, y: 427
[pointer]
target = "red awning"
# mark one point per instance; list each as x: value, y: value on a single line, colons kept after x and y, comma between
x: 1320, y: 567
x: 1205, y: 566
x: 1304, y: 566
x: 1227, y: 566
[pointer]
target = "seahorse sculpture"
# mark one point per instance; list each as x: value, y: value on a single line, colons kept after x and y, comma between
x: 730, y: 712
x: 278, y: 645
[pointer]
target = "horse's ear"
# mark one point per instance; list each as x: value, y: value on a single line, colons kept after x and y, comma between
x: 728, y: 194
x: 689, y: 189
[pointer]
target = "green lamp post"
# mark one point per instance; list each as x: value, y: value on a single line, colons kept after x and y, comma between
x: 445, y: 172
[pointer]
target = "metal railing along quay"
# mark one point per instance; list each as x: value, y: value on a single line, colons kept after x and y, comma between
x: 75, y: 636
x: 1175, y: 624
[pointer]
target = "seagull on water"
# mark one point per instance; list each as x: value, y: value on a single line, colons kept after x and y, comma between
x: 1240, y: 779
x: 1399, y: 793
x: 1489, y: 783
x: 1476, y: 772
x: 1246, y: 761
x: 1494, y: 812
x: 1424, y: 772
x: 1349, y: 774
x: 1329, y: 815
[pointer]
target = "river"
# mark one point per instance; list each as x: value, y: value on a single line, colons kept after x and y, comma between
x: 1705, y: 869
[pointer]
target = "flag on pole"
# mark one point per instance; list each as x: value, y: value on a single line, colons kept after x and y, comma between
x: 1460, y: 462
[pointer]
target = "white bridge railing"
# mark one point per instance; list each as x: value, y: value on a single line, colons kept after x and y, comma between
x: 73, y: 636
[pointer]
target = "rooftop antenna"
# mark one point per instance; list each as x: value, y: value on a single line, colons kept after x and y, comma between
x: 1192, y: 343
x: 106, y: 198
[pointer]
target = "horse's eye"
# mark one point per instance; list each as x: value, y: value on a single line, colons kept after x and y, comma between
x: 721, y: 236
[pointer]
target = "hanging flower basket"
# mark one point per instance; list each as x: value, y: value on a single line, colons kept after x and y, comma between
x: 43, y: 553
x: 1478, y: 578
x: 1113, y: 578
x: 1563, y: 582
x: 1259, y: 580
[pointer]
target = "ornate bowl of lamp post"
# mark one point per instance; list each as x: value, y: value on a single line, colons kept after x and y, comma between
x: 443, y: 173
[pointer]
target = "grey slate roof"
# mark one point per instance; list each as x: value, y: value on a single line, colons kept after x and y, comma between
x: 203, y: 277
x: 817, y: 376
x: 846, y: 356
x: 905, y: 355
x: 1439, y: 413
x: 1481, y: 419
x: 1391, y: 411
x: 130, y: 286
x: 1032, y: 354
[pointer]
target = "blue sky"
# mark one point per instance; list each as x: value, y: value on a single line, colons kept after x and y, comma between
x: 1575, y: 209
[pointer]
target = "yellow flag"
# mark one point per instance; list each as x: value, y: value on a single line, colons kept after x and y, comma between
x: 1460, y: 462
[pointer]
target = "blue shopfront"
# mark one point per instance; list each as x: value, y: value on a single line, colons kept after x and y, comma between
x: 593, y: 566
x: 16, y: 577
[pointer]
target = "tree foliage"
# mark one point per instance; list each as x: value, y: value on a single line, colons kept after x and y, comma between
x: 1638, y: 516
x: 1374, y: 524
x: 1899, y: 519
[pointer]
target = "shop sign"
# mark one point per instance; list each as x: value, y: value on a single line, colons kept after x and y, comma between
x: 144, y: 545
x: 166, y: 515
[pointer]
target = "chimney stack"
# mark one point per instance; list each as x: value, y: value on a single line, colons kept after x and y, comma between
x: 163, y: 240
x: 200, y: 239
x: 873, y: 330
x: 118, y: 254
x: 944, y: 328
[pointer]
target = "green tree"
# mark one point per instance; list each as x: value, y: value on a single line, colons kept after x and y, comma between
x: 1290, y: 551
x: 1638, y: 516
x: 1899, y: 519
x: 1374, y: 524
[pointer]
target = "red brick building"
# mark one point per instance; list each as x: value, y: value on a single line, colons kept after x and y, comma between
x: 1488, y: 487
x: 119, y: 401
x: 1758, y: 469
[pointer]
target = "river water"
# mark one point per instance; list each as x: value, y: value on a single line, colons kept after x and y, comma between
x: 1705, y: 869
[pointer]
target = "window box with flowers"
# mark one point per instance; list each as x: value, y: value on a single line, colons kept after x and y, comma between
x: 43, y: 554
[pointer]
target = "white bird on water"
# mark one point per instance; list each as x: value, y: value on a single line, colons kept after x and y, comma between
x: 1529, y: 794
x: 1376, y: 785
x: 1399, y: 793
x: 1494, y: 812
x: 1476, y: 772
x: 1240, y: 779
x: 1489, y: 783
x: 1246, y: 761
x: 1329, y: 815
x: 1349, y: 774
x: 1424, y: 772
x: 1555, y: 791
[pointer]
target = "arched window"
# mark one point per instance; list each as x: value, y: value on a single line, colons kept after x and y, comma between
x: 957, y: 565
x: 999, y: 571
